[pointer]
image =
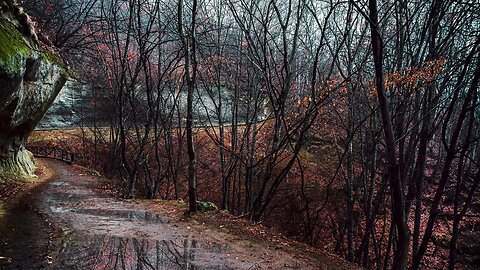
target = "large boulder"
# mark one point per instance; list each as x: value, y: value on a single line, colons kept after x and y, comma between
x: 31, y: 75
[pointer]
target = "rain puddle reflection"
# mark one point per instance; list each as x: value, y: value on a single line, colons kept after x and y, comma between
x: 101, y: 232
x: 124, y: 214
x: 113, y: 252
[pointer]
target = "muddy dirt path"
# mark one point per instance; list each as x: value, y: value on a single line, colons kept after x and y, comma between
x: 25, y: 237
x: 97, y: 231
x: 102, y: 232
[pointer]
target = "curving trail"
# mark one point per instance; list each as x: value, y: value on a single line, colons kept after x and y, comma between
x: 97, y: 231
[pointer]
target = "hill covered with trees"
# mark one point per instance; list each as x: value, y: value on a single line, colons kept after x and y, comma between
x: 352, y: 125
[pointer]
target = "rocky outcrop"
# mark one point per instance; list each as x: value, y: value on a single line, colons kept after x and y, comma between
x: 31, y: 76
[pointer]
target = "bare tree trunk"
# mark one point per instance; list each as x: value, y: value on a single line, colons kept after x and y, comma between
x: 397, y: 196
x: 189, y: 44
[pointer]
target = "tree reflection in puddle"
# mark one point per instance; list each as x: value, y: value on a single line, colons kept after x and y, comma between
x: 124, y: 214
x: 113, y: 252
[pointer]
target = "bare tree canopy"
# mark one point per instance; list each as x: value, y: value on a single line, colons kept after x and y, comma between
x: 349, y: 125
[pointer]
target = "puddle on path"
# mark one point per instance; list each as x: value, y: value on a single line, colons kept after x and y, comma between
x: 124, y: 214
x: 105, y: 233
x: 112, y: 252
x: 136, y: 239
x: 24, y: 238
x: 101, y: 232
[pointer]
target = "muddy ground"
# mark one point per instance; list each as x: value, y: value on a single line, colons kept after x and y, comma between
x: 69, y: 223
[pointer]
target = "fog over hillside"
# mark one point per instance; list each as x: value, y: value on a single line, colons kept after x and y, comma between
x: 74, y: 107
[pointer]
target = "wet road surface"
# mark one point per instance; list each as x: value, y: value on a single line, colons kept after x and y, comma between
x: 25, y: 238
x: 95, y: 231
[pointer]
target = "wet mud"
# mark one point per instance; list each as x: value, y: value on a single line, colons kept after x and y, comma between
x: 95, y: 231
x: 25, y: 237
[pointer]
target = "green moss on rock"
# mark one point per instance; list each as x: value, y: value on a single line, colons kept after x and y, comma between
x: 14, y: 49
x: 30, y: 78
x: 52, y: 57
x: 206, y: 206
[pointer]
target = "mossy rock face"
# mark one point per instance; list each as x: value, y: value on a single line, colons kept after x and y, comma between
x: 30, y: 78
x: 14, y: 49
x: 206, y: 206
